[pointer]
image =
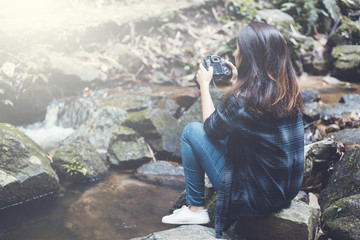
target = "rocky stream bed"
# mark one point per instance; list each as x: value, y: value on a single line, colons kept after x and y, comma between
x: 92, y: 114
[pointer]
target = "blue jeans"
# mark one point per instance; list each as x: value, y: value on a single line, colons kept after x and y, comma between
x: 201, y: 155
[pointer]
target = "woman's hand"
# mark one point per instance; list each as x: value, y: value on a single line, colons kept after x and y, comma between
x: 234, y: 71
x: 204, y: 76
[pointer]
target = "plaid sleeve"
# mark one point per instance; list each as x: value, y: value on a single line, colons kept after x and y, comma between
x: 219, y: 123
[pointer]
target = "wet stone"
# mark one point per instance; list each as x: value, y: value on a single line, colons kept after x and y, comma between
x: 162, y: 173
x: 82, y: 156
x: 189, y: 232
x: 127, y: 149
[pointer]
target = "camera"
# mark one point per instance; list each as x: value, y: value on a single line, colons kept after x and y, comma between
x: 221, y: 71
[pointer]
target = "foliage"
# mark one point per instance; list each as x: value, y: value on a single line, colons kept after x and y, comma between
x: 309, y: 13
x: 75, y: 167
x: 242, y: 9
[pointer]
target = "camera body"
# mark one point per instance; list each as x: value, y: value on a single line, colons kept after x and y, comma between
x: 221, y: 72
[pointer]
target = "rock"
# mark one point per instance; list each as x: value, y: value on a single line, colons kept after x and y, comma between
x: 74, y: 112
x: 346, y: 105
x: 187, y: 99
x: 25, y: 171
x: 29, y: 106
x: 346, y: 62
x: 312, y: 111
x: 131, y: 102
x: 319, y: 156
x: 344, y: 181
x: 348, y: 33
x: 276, y: 17
x: 194, y: 113
x: 348, y: 136
x: 83, y: 162
x: 169, y: 105
x: 75, y: 68
x: 159, y: 129
x: 162, y: 173
x: 188, y: 232
x: 312, y: 106
x: 127, y: 149
x: 342, y: 219
x: 98, y: 128
x: 125, y: 56
x: 298, y: 222
x: 310, y: 95
x: 160, y: 79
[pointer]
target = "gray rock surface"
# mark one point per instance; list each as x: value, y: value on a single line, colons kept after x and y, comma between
x: 91, y: 166
x: 348, y: 136
x: 159, y: 129
x: 345, y: 180
x: 342, y: 219
x: 162, y: 173
x: 25, y: 171
x: 127, y: 149
x: 346, y: 62
x: 98, y: 128
x: 298, y: 222
x: 188, y: 232
x: 344, y: 107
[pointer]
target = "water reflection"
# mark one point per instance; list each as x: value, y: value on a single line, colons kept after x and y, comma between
x: 120, y: 207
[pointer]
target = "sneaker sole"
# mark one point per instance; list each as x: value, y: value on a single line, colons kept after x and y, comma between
x: 184, y: 222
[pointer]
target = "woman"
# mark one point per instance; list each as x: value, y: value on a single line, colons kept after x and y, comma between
x: 252, y: 145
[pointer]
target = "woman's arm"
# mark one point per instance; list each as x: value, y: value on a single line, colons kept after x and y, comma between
x: 204, y: 79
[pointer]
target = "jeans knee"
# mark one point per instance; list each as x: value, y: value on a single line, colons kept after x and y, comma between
x: 191, y: 129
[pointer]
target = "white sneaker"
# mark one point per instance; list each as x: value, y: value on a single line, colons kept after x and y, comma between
x: 185, y: 216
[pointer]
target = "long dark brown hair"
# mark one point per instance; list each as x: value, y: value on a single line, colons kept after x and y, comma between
x: 265, y: 73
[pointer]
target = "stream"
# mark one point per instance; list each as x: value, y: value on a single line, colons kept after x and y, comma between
x: 120, y: 207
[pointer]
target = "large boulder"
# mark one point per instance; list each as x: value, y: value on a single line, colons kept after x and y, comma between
x: 127, y: 149
x: 345, y: 180
x: 348, y: 33
x: 346, y: 62
x: 189, y: 232
x: 25, y: 171
x: 162, y: 173
x: 298, y: 222
x: 98, y: 128
x: 79, y: 162
x: 342, y: 219
x: 159, y: 129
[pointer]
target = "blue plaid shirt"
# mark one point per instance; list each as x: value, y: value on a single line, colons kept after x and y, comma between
x: 264, y: 164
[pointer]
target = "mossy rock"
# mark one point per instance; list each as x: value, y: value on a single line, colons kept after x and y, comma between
x: 344, y: 181
x: 25, y: 171
x: 127, y: 149
x: 346, y: 62
x: 342, y: 219
x: 348, y: 33
x: 82, y: 154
